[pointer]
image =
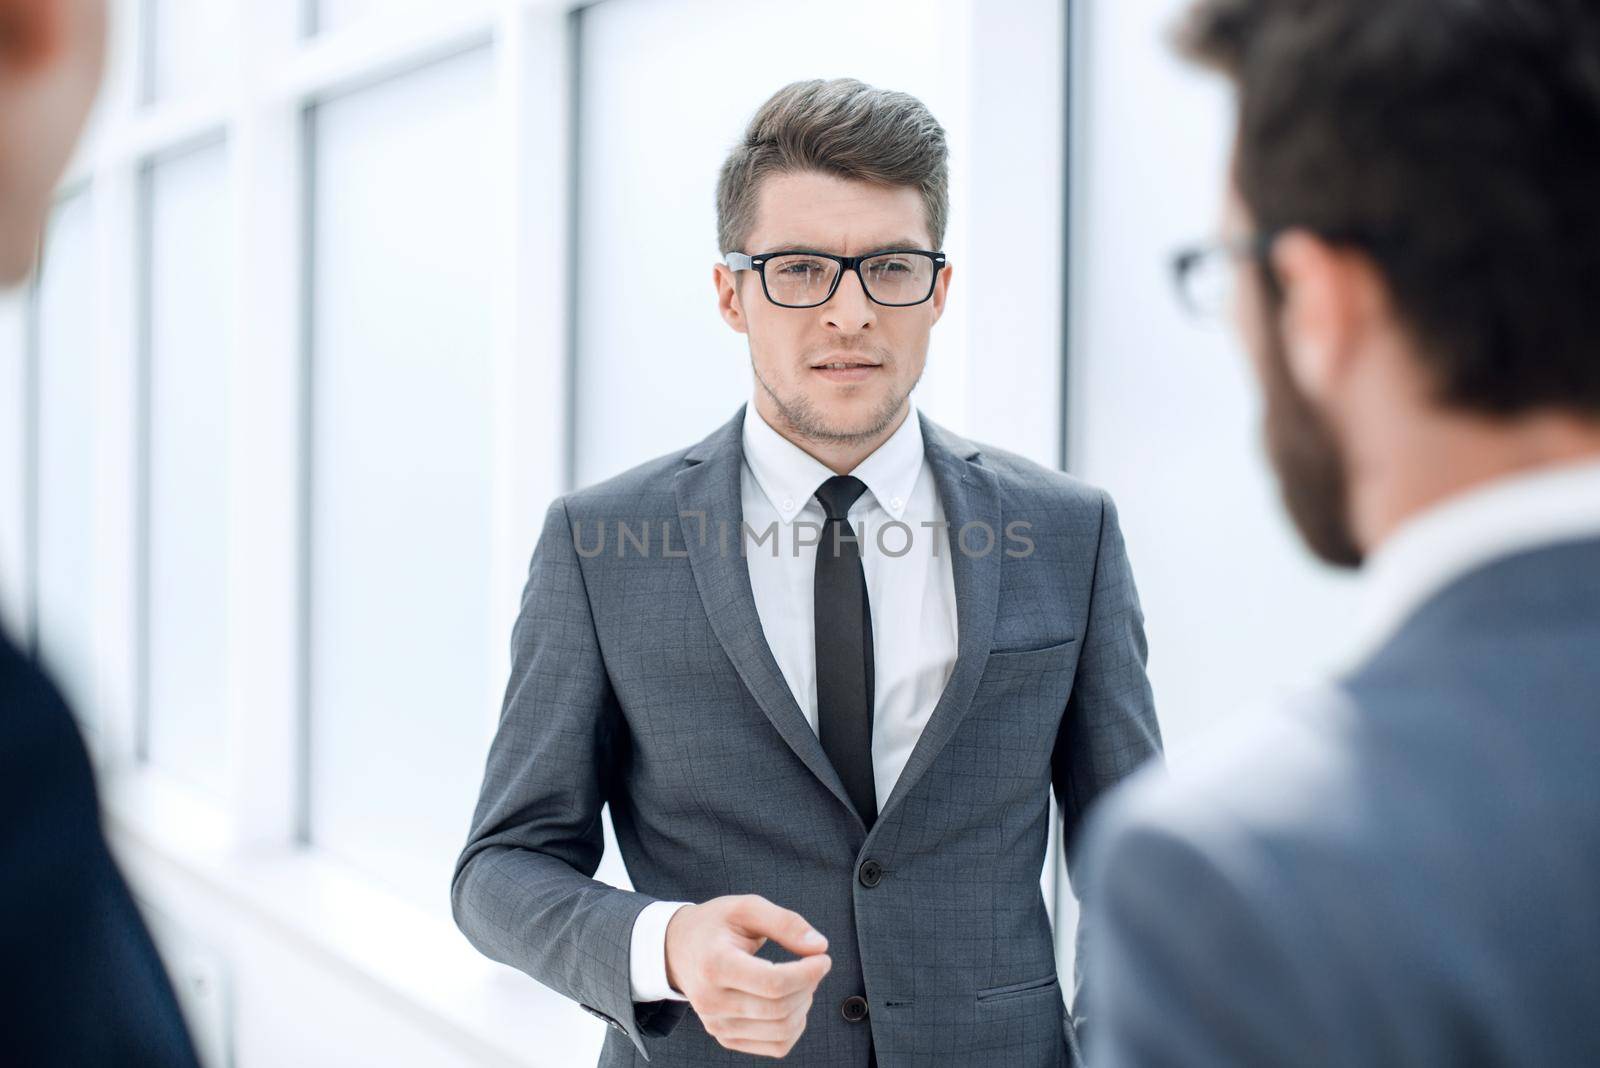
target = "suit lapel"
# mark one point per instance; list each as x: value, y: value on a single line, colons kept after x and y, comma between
x: 709, y: 498
x: 970, y: 493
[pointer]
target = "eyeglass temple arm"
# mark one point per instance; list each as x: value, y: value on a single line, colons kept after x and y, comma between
x: 738, y: 261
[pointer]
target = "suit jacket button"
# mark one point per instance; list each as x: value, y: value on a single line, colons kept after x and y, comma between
x: 871, y: 873
x: 854, y: 1008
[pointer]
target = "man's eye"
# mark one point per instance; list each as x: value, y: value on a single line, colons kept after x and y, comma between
x: 891, y: 267
x: 799, y: 269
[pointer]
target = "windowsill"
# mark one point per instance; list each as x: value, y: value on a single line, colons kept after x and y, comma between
x: 398, y: 951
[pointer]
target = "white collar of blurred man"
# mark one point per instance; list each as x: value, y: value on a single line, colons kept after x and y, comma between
x: 1401, y: 364
x: 1515, y: 513
x: 52, y: 56
x: 840, y: 421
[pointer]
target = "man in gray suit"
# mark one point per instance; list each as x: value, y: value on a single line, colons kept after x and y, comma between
x: 1403, y: 867
x: 826, y: 666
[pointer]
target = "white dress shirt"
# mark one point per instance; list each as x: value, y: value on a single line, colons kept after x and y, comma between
x: 1507, y: 515
x: 910, y: 590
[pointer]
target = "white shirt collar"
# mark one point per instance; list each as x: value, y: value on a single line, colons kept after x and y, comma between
x: 789, y: 475
x: 1510, y: 514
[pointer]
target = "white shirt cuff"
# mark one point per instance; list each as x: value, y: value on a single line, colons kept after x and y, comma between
x: 647, y: 960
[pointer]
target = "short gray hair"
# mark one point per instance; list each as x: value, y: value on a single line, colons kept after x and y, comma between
x: 841, y: 127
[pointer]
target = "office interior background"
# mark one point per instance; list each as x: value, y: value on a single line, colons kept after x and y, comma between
x: 338, y: 295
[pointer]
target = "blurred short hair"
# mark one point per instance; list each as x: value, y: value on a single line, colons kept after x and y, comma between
x: 841, y: 127
x: 1457, y: 142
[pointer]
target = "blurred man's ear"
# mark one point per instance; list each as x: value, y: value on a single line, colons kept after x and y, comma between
x: 30, y: 34
x: 1329, y: 303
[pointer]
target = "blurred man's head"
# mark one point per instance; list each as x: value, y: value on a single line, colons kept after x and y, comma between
x: 1428, y: 314
x: 842, y: 168
x: 51, y: 56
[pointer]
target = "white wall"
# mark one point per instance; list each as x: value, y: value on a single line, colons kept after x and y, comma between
x: 1162, y: 410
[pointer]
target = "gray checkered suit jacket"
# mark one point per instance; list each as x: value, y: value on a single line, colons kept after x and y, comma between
x: 643, y: 680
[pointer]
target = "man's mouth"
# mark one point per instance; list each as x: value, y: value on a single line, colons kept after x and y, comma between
x: 846, y: 367
x: 845, y: 370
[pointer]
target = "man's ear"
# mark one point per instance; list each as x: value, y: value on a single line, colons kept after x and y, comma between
x: 30, y: 34
x: 729, y: 303
x: 1326, y: 308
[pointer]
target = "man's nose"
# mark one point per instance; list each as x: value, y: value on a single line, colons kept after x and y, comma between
x: 849, y: 309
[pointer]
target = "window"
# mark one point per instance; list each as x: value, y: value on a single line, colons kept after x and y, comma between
x: 402, y: 673
x: 188, y: 298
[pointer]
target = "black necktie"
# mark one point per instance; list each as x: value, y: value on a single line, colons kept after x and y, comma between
x: 844, y: 647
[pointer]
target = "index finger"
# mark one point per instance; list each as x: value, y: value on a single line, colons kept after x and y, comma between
x: 766, y: 979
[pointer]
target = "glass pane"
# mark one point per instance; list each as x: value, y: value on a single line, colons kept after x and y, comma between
x: 189, y: 293
x: 190, y: 47
x: 66, y: 451
x: 401, y: 652
x: 13, y: 464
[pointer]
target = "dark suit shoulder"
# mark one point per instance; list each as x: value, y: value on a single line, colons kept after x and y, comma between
x: 40, y: 747
x: 82, y: 983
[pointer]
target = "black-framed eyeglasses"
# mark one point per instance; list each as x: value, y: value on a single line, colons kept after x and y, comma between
x: 895, y: 278
x: 1203, y: 273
